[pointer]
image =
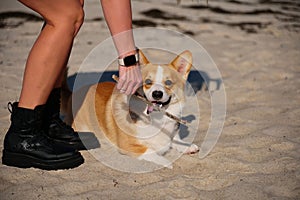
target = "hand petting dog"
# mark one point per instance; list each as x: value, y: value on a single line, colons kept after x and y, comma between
x: 130, y: 79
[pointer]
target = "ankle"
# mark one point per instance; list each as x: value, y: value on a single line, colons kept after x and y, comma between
x: 28, y: 105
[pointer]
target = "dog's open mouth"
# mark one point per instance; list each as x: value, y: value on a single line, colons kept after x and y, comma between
x: 155, y: 104
x: 150, y: 108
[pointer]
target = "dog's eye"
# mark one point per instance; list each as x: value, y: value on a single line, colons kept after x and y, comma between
x: 148, y: 82
x: 168, y: 82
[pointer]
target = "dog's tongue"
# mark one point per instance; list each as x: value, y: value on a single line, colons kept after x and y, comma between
x: 149, y: 109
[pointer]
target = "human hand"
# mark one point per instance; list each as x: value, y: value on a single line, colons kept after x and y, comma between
x: 130, y: 79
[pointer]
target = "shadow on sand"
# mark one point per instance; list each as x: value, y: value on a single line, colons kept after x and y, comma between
x: 198, y: 81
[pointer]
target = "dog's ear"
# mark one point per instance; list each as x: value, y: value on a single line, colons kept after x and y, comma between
x: 183, y: 63
x: 142, y: 58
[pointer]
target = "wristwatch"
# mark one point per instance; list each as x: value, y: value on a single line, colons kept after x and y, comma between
x: 129, y: 60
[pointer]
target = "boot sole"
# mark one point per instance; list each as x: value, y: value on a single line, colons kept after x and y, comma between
x: 27, y: 161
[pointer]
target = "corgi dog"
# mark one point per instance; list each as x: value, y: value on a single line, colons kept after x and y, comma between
x: 131, y: 125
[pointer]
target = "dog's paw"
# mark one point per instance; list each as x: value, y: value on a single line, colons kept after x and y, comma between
x: 192, y: 149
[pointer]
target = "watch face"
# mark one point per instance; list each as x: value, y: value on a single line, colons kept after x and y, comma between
x: 130, y: 60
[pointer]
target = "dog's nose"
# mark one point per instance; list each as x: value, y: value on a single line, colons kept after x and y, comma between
x: 157, y: 95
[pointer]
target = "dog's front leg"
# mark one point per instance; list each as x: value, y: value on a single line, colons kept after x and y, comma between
x: 184, y: 147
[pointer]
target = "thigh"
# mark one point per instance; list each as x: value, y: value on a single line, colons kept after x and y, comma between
x: 52, y: 10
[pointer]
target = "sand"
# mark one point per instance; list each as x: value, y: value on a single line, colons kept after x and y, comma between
x: 256, y: 47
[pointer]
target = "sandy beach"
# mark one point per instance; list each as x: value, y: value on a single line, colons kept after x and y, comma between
x: 256, y: 46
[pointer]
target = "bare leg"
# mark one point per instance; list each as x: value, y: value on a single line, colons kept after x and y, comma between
x: 51, y: 50
x: 61, y: 76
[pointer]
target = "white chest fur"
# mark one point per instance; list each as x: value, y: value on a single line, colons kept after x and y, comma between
x: 158, y: 132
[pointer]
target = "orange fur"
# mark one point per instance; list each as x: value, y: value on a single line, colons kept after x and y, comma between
x: 103, y: 106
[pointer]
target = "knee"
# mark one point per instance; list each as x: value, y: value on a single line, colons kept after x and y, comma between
x: 78, y: 20
x: 71, y: 20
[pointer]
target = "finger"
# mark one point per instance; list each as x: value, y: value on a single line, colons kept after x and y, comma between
x: 135, y: 88
x: 120, y: 84
x: 136, y: 84
x: 138, y: 81
x: 122, y: 79
x: 129, y: 88
x: 125, y: 85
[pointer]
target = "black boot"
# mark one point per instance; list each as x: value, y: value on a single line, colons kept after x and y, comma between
x: 60, y: 131
x: 26, y: 144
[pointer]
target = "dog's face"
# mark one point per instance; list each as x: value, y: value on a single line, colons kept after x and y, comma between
x: 162, y: 82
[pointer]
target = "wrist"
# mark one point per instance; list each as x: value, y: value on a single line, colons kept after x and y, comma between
x: 128, y: 53
x: 128, y: 67
x: 128, y: 59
